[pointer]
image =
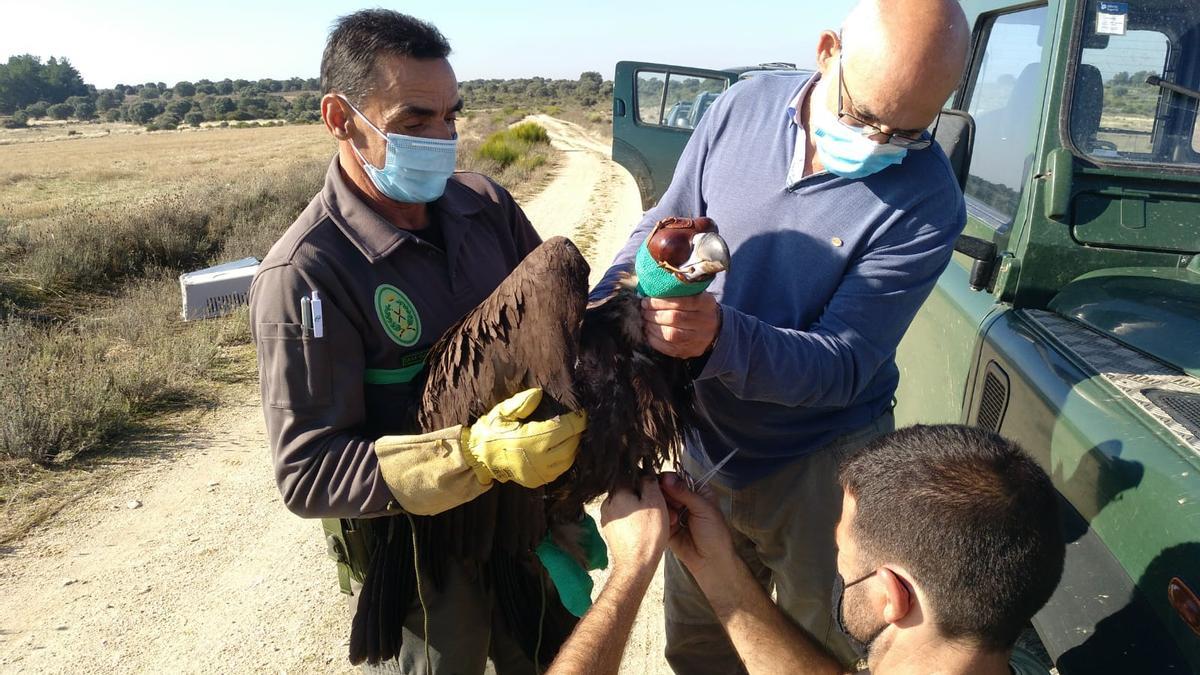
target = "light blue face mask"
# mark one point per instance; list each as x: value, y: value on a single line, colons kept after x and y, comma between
x: 416, y: 169
x: 848, y: 154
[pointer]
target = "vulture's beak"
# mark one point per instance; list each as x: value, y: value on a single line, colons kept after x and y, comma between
x: 709, y: 256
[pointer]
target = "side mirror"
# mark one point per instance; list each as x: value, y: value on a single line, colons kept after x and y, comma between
x: 983, y: 252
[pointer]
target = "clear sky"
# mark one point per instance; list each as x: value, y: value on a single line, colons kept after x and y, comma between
x: 130, y: 41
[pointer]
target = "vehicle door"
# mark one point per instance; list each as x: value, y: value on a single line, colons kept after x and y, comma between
x: 655, y: 108
x: 1004, y: 92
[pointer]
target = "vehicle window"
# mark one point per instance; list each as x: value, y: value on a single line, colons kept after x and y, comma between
x: 1005, y: 100
x: 650, y: 87
x: 688, y: 98
x: 1122, y: 108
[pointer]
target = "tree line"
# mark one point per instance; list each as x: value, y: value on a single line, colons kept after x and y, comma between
x: 31, y: 89
x: 590, y: 90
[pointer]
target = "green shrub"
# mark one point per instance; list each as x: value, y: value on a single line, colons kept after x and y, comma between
x: 175, y: 232
x: 531, y: 162
x: 60, y: 111
x: 36, y: 110
x: 307, y: 117
x: 19, y: 120
x: 501, y: 148
x: 508, y: 146
x: 530, y: 132
x: 84, y: 109
x: 143, y: 112
x: 58, y: 396
x: 66, y: 389
x: 180, y: 107
x: 164, y: 122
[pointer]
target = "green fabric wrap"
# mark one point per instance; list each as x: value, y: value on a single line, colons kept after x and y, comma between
x: 655, y: 282
x: 572, y: 581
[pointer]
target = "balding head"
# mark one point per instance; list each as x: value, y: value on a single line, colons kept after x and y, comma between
x: 900, y: 60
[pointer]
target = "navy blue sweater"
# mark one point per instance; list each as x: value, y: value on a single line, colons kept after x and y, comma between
x: 826, y: 276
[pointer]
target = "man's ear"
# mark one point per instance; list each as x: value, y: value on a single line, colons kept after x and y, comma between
x: 900, y: 598
x: 829, y: 46
x: 336, y: 113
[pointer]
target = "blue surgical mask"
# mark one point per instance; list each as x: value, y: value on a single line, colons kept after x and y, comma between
x: 847, y: 153
x: 416, y: 169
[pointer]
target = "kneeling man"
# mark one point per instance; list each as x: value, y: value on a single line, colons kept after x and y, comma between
x: 949, y: 542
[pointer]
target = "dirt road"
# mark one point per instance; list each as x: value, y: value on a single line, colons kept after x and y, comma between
x: 185, y: 560
x: 592, y: 200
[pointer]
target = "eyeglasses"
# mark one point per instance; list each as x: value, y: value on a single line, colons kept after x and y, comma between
x: 873, y: 132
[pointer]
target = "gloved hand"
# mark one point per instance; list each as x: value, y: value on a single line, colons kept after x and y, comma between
x: 499, y: 446
x: 432, y: 472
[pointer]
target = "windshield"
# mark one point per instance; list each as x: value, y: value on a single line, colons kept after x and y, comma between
x: 1135, y: 97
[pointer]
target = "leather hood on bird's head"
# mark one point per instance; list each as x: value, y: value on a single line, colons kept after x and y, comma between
x: 680, y: 257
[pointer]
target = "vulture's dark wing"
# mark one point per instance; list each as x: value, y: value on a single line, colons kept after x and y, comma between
x: 639, y: 405
x: 525, y: 334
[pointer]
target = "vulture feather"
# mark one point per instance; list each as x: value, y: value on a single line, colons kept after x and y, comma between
x: 538, y: 330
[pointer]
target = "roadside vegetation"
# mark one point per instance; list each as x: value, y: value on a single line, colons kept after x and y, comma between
x: 511, y: 155
x: 90, y: 336
x: 93, y: 353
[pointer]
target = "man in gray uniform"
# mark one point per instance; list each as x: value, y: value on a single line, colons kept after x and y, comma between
x: 392, y: 252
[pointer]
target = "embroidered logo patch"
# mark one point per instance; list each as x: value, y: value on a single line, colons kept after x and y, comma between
x: 398, y: 315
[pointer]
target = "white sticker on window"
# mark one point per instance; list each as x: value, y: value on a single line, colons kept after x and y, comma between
x: 1111, y: 18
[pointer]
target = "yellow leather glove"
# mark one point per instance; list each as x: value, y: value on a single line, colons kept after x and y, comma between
x: 432, y: 472
x: 499, y: 446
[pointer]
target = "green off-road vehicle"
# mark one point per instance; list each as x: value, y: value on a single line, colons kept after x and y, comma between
x: 1069, y: 321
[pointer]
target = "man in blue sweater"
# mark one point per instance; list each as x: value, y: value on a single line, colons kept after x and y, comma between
x: 839, y: 215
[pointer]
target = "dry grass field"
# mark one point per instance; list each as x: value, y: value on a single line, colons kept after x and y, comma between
x: 126, y: 169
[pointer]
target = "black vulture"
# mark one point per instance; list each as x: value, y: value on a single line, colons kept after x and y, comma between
x: 537, y: 329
